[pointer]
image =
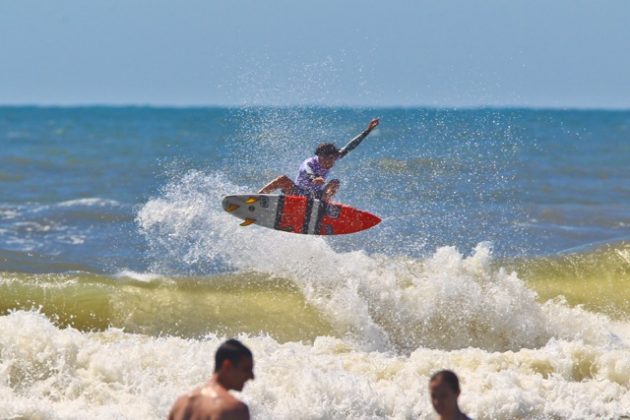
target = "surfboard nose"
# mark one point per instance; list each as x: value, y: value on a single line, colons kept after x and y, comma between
x: 369, y: 220
x: 373, y: 220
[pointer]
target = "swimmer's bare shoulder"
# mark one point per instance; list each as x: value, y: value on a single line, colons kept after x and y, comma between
x: 234, y: 366
x: 218, y: 404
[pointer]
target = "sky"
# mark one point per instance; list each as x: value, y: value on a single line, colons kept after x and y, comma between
x: 440, y: 53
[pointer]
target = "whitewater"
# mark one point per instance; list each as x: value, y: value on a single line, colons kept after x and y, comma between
x: 494, y: 264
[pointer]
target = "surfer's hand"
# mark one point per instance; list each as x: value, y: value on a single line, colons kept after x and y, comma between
x: 373, y: 124
x: 319, y: 181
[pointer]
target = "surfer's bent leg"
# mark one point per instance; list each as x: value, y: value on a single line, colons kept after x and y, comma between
x: 330, y: 189
x: 283, y: 183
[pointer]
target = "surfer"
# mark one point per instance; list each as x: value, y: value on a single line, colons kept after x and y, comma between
x: 234, y: 365
x: 444, y: 391
x: 311, y: 179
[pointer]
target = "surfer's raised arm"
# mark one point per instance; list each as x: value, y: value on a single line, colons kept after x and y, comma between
x: 311, y: 179
x: 358, y: 139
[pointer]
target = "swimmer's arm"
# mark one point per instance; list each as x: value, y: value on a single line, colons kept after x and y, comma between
x: 352, y: 144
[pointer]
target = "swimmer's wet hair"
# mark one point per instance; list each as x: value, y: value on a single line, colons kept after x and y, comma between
x: 232, y: 350
x: 449, y: 377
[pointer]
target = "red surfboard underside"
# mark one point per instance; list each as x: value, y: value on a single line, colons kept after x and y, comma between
x: 332, y: 219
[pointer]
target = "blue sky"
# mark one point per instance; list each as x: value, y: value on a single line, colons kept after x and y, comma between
x: 563, y: 53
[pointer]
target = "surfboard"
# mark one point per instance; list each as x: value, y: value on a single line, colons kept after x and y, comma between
x: 298, y: 214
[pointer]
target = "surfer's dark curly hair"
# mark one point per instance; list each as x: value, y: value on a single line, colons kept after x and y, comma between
x: 327, y: 149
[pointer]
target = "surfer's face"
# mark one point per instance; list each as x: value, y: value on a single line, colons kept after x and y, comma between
x: 327, y: 161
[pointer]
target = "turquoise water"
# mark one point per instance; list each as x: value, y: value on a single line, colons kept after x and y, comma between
x: 504, y: 254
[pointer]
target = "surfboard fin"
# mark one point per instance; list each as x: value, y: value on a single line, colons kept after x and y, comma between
x: 251, y: 200
x: 231, y: 207
x: 248, y: 222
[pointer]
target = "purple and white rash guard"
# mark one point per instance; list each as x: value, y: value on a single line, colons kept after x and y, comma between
x: 311, y: 169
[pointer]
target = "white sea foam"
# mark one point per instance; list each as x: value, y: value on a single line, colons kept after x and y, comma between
x: 72, y: 239
x: 90, y: 202
x: 143, y: 277
x: 47, y: 372
x: 397, y: 321
x: 8, y: 213
x: 446, y: 301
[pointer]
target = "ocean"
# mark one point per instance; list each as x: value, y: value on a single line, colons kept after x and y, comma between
x: 503, y: 254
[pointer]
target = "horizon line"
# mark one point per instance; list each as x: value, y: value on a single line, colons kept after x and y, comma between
x: 343, y: 106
